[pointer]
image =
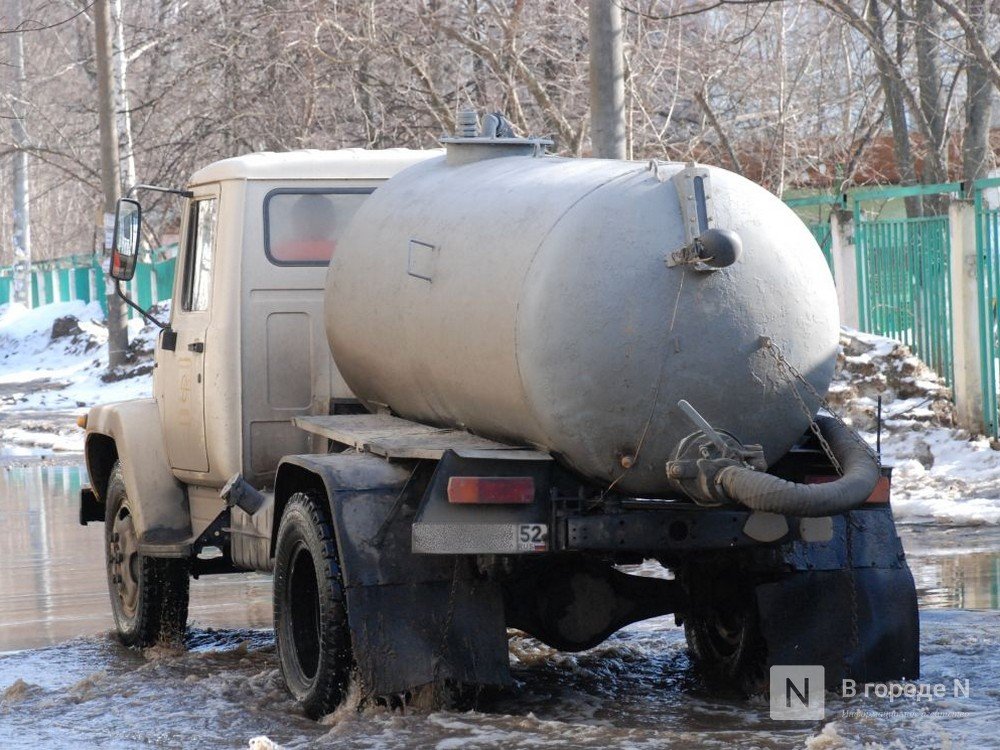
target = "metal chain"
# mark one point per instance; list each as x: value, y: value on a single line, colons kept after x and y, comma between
x: 855, y: 629
x: 795, y: 376
x: 783, y: 363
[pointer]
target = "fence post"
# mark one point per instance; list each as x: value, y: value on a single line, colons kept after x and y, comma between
x: 968, y: 385
x: 845, y: 266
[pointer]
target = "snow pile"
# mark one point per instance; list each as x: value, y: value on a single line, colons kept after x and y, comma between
x: 53, y: 366
x: 940, y: 472
x: 870, y: 366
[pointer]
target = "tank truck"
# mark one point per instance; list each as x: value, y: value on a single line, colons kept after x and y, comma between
x: 443, y: 394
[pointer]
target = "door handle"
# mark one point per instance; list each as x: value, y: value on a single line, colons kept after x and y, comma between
x: 196, y: 346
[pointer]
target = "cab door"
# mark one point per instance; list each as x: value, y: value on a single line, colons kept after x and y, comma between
x: 181, y: 359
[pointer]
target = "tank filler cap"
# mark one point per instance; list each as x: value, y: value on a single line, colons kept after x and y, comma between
x: 472, y: 142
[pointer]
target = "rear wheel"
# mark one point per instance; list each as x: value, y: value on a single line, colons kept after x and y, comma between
x: 310, y: 612
x: 727, y: 646
x: 149, y: 596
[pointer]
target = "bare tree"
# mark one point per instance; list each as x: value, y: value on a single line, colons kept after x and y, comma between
x: 110, y: 177
x: 977, y: 157
x: 793, y: 94
x: 22, y: 220
x: 124, y: 115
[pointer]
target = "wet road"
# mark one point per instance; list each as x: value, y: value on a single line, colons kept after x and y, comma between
x: 64, y: 683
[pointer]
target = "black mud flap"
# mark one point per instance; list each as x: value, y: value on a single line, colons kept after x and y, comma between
x: 415, y: 620
x: 859, y: 624
x: 91, y: 509
x: 418, y: 634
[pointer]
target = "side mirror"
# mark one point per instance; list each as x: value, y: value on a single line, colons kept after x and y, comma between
x: 125, y: 243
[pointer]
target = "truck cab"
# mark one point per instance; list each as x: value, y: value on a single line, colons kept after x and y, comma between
x: 245, y: 350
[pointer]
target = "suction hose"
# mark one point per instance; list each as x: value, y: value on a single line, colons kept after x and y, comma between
x: 766, y: 492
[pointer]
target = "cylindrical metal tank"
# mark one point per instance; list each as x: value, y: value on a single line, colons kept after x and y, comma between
x: 528, y: 298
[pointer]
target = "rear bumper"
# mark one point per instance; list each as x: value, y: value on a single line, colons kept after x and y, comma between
x: 863, y: 538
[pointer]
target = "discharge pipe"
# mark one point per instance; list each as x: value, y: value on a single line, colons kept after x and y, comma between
x: 766, y: 492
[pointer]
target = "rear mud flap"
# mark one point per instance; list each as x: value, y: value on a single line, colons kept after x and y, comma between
x: 412, y: 635
x: 859, y: 624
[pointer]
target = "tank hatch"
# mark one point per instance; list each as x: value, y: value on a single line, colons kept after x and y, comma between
x: 494, y: 137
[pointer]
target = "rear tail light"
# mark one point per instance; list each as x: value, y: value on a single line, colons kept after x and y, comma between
x: 880, y: 494
x: 491, y: 490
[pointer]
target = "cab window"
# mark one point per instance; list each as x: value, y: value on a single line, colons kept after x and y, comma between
x: 200, y: 255
x: 302, y: 225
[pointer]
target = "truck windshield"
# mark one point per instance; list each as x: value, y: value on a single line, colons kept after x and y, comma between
x: 302, y: 226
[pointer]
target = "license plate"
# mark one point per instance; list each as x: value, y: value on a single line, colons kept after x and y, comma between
x: 532, y: 537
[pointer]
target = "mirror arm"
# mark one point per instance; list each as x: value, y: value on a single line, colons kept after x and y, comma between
x: 130, y: 303
x: 158, y: 189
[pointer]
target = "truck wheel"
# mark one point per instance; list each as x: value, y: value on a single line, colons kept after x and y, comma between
x: 310, y: 613
x: 728, y: 648
x: 149, y: 596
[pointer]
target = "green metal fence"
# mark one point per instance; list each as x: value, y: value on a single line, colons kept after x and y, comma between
x: 814, y: 211
x: 80, y: 277
x: 988, y: 271
x: 904, y: 274
x: 824, y: 238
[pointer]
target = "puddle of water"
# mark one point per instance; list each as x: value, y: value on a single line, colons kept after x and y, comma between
x: 52, y: 577
x: 22, y: 451
x: 954, y: 567
x: 65, y: 683
x: 637, y: 690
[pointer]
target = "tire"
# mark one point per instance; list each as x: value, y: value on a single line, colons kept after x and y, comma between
x: 310, y: 612
x: 728, y: 648
x: 149, y: 596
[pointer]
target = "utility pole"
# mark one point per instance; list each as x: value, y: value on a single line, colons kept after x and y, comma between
x: 110, y: 177
x: 607, y: 80
x: 22, y: 218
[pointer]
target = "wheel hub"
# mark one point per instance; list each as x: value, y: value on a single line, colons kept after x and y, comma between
x: 123, y: 560
x: 726, y: 631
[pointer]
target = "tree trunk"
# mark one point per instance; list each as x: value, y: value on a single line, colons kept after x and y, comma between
x: 976, y: 152
x: 121, y: 96
x: 22, y: 223
x: 110, y: 178
x: 607, y: 80
x: 779, y: 177
x: 896, y: 107
x: 929, y: 85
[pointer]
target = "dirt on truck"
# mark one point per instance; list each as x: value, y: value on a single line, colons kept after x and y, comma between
x: 442, y: 394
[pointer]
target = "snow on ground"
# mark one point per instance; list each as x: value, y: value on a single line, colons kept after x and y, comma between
x: 940, y: 472
x: 52, y: 368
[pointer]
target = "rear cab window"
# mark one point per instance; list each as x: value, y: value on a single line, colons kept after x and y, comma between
x: 303, y: 225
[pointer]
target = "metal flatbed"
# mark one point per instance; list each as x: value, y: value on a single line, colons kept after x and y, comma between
x: 393, y: 437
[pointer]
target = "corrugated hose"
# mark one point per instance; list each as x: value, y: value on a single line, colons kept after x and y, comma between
x: 766, y: 492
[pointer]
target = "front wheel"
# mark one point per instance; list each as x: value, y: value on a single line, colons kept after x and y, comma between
x: 149, y: 596
x: 310, y: 611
